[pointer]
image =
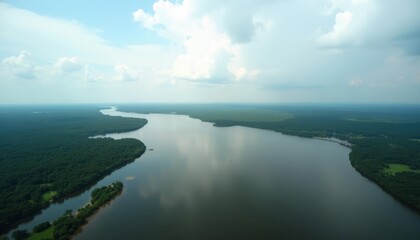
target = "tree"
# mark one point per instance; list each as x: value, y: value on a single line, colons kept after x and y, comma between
x: 41, y: 227
x: 20, y: 234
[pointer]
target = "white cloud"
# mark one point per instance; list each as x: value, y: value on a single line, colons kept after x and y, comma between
x: 67, y: 38
x: 173, y: 21
x: 372, y: 23
x: 67, y: 68
x: 70, y: 38
x: 144, y: 18
x: 92, y: 75
x: 209, y: 53
x: 341, y: 27
x: 69, y: 64
x: 124, y: 73
x: 355, y: 82
x: 20, y: 65
x: 256, y: 50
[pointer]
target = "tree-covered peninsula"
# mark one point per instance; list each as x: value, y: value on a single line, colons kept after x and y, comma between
x: 46, y: 155
x: 68, y: 224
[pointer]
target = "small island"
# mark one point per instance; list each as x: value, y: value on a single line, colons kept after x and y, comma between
x: 68, y: 224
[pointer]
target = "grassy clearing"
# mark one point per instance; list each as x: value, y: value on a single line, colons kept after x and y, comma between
x: 394, y: 168
x: 48, y: 195
x: 46, y: 234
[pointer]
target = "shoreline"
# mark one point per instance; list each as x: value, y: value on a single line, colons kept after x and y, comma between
x: 8, y: 230
x: 81, y: 217
x: 108, y: 203
x: 344, y: 143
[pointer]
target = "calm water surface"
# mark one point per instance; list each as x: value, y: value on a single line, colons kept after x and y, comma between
x: 204, y: 182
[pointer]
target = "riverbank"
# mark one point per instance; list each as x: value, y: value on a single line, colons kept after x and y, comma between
x: 70, y: 223
x: 335, y: 140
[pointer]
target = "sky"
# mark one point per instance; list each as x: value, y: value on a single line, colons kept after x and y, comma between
x: 210, y: 51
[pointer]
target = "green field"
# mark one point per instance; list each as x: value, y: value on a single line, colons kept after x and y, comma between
x: 46, y: 234
x: 394, y: 168
x: 48, y: 196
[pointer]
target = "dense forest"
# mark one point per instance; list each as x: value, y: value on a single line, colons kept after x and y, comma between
x: 46, y: 155
x: 380, y: 135
x: 68, y: 224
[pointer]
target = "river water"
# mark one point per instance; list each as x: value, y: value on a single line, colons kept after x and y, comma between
x: 197, y: 181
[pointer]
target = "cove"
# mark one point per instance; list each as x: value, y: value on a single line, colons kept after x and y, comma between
x: 205, y: 182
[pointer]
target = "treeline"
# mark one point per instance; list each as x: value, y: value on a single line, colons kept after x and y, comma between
x: 68, y: 224
x: 47, y: 155
x: 371, y: 155
x: 380, y: 135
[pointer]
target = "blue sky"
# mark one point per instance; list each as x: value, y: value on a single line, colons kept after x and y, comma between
x: 118, y: 28
x: 349, y: 51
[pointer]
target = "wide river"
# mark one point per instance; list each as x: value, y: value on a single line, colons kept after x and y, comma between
x: 197, y: 181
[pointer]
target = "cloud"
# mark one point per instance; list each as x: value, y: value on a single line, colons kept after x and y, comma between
x: 64, y: 68
x: 173, y: 21
x: 242, y: 27
x: 65, y: 37
x: 338, y: 35
x: 92, y: 75
x: 355, y: 82
x: 370, y: 23
x: 123, y: 73
x: 20, y: 65
x: 208, y: 44
x: 71, y: 68
x: 207, y: 53
x: 69, y: 64
x: 52, y: 38
x: 256, y: 50
x: 288, y: 45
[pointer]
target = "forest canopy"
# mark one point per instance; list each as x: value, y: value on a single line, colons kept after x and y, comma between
x: 46, y: 154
